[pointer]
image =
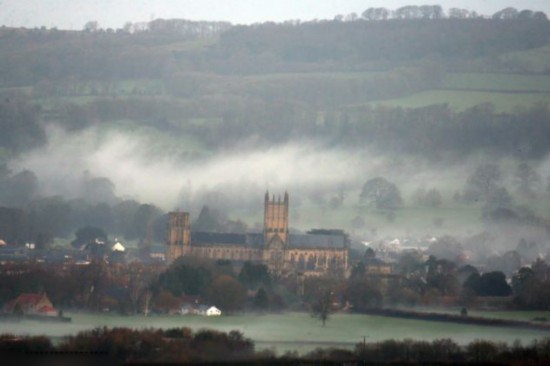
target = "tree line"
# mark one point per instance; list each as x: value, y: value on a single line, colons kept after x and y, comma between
x: 426, y: 131
x: 436, y: 129
x: 183, y: 345
x: 437, y: 12
x: 30, y: 56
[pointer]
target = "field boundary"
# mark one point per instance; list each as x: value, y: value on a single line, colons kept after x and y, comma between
x: 461, y: 319
x: 499, y: 91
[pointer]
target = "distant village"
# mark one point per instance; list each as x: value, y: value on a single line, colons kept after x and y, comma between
x: 211, y: 273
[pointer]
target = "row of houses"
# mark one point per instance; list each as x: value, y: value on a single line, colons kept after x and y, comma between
x: 39, y: 304
x: 193, y: 305
x: 204, y: 310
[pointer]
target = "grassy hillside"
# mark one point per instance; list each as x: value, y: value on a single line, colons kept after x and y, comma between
x: 462, y: 100
x: 497, y: 82
x: 191, y: 99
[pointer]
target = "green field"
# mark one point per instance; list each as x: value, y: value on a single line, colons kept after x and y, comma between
x: 498, y: 82
x: 461, y: 91
x: 462, y: 100
x: 535, y: 60
x: 343, y: 75
x: 291, y: 331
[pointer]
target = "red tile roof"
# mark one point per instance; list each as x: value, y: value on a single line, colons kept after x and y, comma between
x: 29, y: 299
x: 26, y: 301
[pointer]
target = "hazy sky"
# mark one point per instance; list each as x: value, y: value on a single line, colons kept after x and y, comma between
x: 73, y: 14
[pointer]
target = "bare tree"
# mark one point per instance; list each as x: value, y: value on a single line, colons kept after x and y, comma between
x: 321, y: 308
x: 147, y: 302
x: 527, y: 180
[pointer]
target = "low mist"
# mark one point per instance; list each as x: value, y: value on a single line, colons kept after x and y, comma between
x: 164, y: 180
x: 234, y: 181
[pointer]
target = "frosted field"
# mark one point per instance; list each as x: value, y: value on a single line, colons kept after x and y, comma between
x: 295, y: 331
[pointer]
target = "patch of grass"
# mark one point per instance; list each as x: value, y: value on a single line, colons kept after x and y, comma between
x: 25, y: 90
x: 52, y: 102
x: 462, y: 100
x: 343, y: 75
x: 188, y: 45
x: 496, y: 82
x: 535, y: 60
x: 540, y: 205
x: 292, y: 331
x: 206, y: 121
x: 137, y: 86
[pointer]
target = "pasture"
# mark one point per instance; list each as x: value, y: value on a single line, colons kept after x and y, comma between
x: 462, y: 100
x: 506, y: 92
x: 289, y: 331
x: 497, y: 82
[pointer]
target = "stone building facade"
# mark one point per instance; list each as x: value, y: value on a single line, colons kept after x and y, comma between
x: 314, y: 253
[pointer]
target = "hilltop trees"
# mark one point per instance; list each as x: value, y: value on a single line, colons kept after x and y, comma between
x: 91, y: 26
x: 380, y: 193
x: 376, y: 14
x: 20, y: 125
x: 527, y: 179
x: 482, y: 182
x: 429, y: 198
x: 19, y: 189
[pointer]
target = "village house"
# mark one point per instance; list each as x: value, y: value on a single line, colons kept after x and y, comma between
x: 213, y: 311
x: 192, y: 305
x: 31, y: 304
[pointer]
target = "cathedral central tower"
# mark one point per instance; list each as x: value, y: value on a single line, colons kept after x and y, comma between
x: 276, y: 220
x: 179, y: 235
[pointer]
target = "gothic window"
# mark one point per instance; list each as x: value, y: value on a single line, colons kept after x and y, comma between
x: 311, y: 262
x: 301, y: 262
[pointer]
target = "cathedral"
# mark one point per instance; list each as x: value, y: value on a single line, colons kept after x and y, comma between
x: 315, y: 253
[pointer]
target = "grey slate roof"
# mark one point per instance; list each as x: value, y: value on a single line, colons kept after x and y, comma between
x: 256, y: 240
x: 205, y: 239
x: 317, y: 241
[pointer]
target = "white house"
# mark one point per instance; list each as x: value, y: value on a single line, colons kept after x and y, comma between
x: 213, y: 311
x: 118, y: 247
